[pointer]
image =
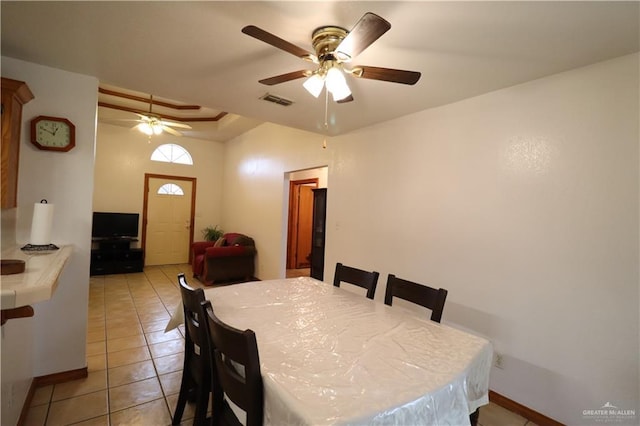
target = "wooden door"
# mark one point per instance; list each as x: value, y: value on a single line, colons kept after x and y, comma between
x: 305, y: 221
x: 300, y: 223
x: 168, y: 230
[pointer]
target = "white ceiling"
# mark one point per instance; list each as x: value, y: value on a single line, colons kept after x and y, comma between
x: 195, y: 52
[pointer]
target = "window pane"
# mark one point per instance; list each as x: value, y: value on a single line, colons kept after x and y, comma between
x: 170, y: 189
x: 160, y: 155
x: 172, y: 153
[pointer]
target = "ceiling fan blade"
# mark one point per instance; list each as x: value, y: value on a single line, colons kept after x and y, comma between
x: 284, y: 77
x: 345, y: 100
x: 171, y: 131
x: 174, y: 124
x: 121, y: 120
x: 276, y: 41
x: 367, y: 30
x: 387, y: 74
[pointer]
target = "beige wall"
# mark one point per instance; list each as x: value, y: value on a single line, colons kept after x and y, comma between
x: 256, y: 187
x: 123, y: 157
x: 523, y: 203
x: 54, y: 340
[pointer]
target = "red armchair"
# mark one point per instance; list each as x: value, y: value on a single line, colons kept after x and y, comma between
x: 233, y: 260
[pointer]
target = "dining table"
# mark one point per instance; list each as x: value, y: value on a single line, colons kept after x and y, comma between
x: 331, y: 356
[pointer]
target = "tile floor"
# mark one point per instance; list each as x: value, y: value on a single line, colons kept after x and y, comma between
x: 134, y: 366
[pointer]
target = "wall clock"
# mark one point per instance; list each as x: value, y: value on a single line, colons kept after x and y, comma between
x: 53, y: 133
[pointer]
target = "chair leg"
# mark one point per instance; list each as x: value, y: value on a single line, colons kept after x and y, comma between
x: 202, y: 404
x: 182, y: 400
x: 217, y: 404
x: 473, y: 417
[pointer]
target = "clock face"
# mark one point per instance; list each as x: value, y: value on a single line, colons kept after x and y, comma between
x: 51, y: 133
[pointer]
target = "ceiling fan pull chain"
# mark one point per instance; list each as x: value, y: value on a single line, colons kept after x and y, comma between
x: 326, y: 110
x: 326, y: 123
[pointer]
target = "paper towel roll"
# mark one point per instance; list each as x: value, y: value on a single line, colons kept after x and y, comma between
x: 41, y: 224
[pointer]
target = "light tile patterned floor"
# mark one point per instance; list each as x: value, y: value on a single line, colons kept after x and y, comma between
x: 134, y: 367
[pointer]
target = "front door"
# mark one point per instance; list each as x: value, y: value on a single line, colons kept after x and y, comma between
x: 169, y: 217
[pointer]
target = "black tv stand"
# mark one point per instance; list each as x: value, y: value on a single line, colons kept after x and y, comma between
x: 115, y: 256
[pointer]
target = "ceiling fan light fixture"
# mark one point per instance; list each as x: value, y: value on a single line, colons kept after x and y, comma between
x: 314, y: 85
x: 337, y: 84
x: 145, y: 128
x: 156, y: 127
x: 334, y: 47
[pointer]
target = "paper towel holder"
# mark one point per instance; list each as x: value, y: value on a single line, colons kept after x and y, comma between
x: 40, y: 247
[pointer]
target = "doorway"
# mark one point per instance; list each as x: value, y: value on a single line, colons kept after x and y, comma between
x: 299, y: 210
x: 300, y: 221
x: 167, y: 219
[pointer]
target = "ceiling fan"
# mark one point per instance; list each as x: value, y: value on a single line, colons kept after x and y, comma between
x: 153, y: 124
x: 335, y: 48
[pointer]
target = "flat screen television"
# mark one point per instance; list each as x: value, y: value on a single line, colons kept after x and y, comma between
x: 114, y: 225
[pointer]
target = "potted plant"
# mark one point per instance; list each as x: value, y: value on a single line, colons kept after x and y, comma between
x: 212, y: 233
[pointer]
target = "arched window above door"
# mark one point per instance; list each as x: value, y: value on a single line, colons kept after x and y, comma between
x: 170, y: 189
x: 172, y: 153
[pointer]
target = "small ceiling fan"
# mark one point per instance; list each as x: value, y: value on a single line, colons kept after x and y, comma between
x: 335, y: 48
x: 153, y: 124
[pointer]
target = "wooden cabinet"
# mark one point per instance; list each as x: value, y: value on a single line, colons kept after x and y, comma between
x: 318, y: 232
x: 14, y: 94
x: 116, y: 257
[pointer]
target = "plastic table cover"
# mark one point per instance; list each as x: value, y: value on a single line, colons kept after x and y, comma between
x: 330, y: 356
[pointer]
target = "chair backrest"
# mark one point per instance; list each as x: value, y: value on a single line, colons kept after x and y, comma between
x: 196, y: 339
x: 365, y: 279
x: 422, y: 295
x: 235, y: 354
x: 232, y: 238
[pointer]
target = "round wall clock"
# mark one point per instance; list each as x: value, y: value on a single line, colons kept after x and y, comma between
x: 53, y: 133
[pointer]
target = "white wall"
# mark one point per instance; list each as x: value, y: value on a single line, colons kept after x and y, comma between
x: 321, y: 173
x: 523, y: 203
x: 123, y: 158
x: 56, y: 337
x: 256, y: 187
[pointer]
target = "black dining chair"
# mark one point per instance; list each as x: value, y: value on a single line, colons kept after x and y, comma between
x: 237, y: 372
x: 196, y: 370
x: 364, y: 279
x: 422, y: 295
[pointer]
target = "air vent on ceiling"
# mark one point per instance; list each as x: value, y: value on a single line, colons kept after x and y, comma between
x: 276, y: 99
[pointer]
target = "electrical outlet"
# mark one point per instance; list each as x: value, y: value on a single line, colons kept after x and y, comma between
x: 498, y: 361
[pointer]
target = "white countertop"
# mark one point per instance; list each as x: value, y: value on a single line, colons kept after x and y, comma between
x: 39, y: 280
